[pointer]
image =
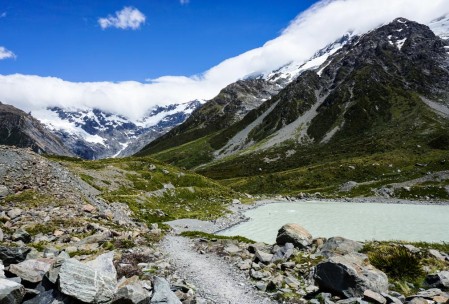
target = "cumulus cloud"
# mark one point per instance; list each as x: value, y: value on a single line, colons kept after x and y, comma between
x: 5, y: 53
x: 323, y: 23
x: 128, y: 18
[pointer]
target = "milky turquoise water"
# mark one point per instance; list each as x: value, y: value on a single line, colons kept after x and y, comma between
x: 357, y: 221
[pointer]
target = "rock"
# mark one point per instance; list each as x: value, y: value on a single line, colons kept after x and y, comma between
x: 11, y: 292
x: 349, y: 276
x: 263, y: 257
x: 341, y: 246
x: 348, y: 186
x: 51, y: 253
x: 104, y: 264
x: 162, y: 293
x: 89, y: 208
x: 391, y: 299
x: 89, y: 283
x: 58, y: 233
x: 283, y: 253
x: 292, y: 282
x: 2, y: 272
x: 21, y: 235
x: 439, y: 280
x: 1, y: 235
x: 440, y: 299
x: 131, y: 291
x: 411, y: 248
x: 32, y: 271
x: 14, y: 212
x: 4, y: 191
x: 94, y: 239
x: 51, y: 296
x: 261, y: 286
x: 13, y: 255
x: 256, y: 274
x: 232, y: 249
x: 295, y: 234
x: 438, y: 255
x: 418, y: 301
x: 374, y: 297
x: 430, y: 293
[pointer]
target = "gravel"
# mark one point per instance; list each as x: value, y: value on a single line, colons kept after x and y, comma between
x: 217, y: 281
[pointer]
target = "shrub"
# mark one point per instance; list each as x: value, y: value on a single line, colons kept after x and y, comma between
x: 397, y: 262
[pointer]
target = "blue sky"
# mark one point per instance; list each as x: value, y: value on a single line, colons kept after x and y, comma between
x: 64, y: 39
x: 67, y: 58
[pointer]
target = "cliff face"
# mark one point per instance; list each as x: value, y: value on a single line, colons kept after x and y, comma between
x: 20, y: 129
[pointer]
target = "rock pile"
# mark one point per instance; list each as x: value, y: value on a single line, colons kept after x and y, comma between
x: 300, y: 269
x: 62, y: 279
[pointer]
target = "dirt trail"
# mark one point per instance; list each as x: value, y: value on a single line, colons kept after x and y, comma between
x: 216, y: 280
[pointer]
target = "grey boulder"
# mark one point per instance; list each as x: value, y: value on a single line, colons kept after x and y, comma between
x: 283, y: 253
x: 349, y: 276
x: 162, y: 293
x: 11, y: 292
x: 13, y: 255
x: 295, y: 234
x: 89, y: 283
x: 32, y: 271
x: 4, y: 191
x: 263, y: 256
x: 439, y: 280
x: 341, y: 246
x: 21, y: 235
x: 131, y: 291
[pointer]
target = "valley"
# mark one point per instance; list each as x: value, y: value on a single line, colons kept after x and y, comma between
x: 324, y: 181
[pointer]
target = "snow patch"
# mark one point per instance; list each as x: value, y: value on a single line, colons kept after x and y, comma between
x: 400, y: 43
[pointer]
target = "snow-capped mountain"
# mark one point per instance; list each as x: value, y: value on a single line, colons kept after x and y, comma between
x: 94, y: 134
x: 440, y: 27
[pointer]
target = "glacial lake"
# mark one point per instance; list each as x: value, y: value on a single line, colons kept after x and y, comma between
x: 356, y: 221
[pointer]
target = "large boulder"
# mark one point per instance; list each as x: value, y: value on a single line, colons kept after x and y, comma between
x: 11, y: 292
x: 32, y: 271
x: 89, y: 283
x: 340, y: 246
x: 131, y: 291
x: 13, y: 255
x: 162, y: 293
x: 439, y: 280
x: 295, y: 234
x: 349, y: 276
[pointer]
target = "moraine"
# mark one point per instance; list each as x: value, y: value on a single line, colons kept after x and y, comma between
x: 357, y: 221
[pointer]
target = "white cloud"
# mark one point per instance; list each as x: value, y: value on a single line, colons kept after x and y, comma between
x: 184, y: 1
x: 128, y: 18
x: 323, y: 23
x: 5, y: 53
x: 3, y: 15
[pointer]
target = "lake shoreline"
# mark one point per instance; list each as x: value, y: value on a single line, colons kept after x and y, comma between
x: 238, y: 209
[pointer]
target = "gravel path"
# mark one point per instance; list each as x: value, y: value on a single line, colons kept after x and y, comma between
x: 217, y: 281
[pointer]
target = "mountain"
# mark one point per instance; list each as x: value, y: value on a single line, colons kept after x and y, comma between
x: 231, y: 106
x: 94, y: 134
x: 20, y: 129
x: 384, y: 93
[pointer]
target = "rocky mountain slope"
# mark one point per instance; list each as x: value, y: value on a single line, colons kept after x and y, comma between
x: 235, y: 101
x: 95, y: 134
x: 87, y: 232
x: 20, y: 129
x: 383, y: 91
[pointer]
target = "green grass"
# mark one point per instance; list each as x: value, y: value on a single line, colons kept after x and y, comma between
x: 403, y: 266
x: 154, y: 191
x: 208, y: 236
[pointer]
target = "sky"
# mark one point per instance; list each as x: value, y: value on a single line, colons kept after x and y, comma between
x: 65, y: 39
x: 128, y: 56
